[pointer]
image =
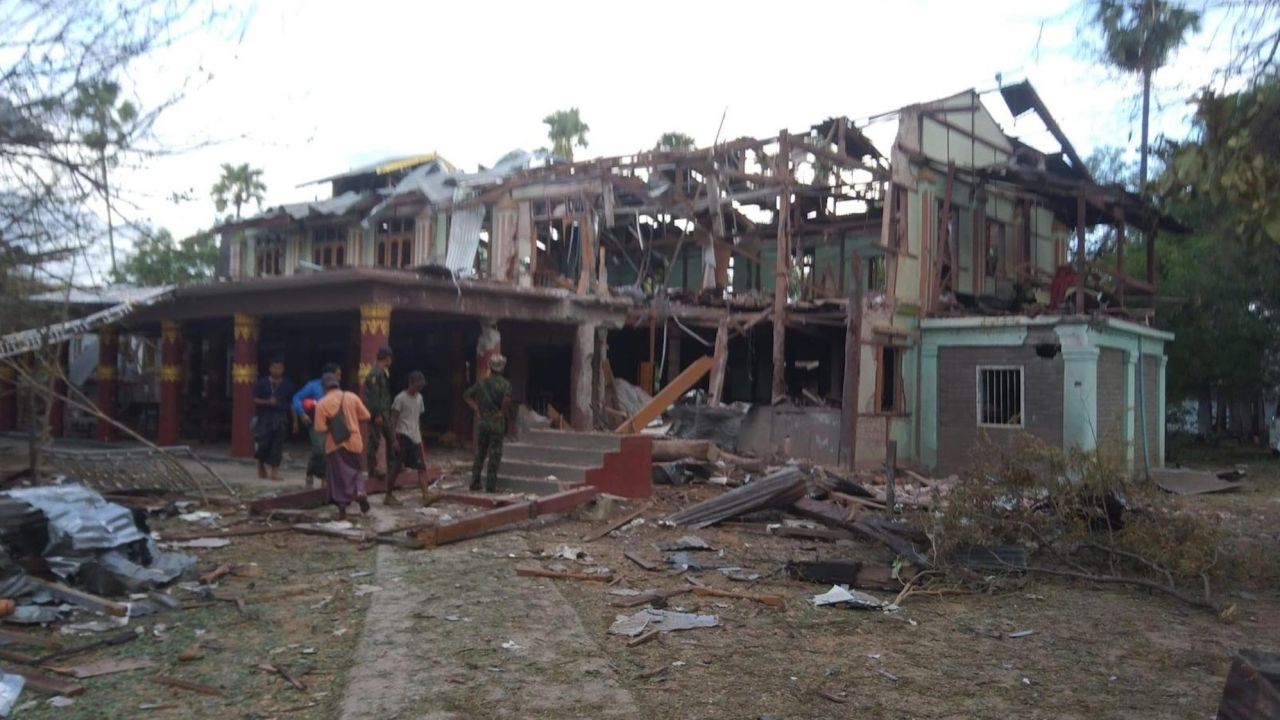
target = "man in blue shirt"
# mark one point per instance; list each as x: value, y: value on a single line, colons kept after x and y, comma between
x: 303, y: 412
x: 271, y: 398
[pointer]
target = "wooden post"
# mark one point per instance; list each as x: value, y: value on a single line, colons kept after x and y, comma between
x: 1120, y: 267
x: 587, y: 251
x: 244, y: 371
x: 170, y: 421
x: 721, y: 357
x: 1081, y: 267
x: 946, y: 243
x: 8, y: 397
x: 890, y: 475
x: 782, y: 271
x: 852, y: 362
x: 58, y: 403
x: 108, y: 375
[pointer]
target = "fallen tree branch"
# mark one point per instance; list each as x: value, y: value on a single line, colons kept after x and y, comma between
x: 1204, y: 603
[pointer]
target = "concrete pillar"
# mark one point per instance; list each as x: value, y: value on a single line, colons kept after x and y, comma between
x: 375, y: 332
x: 1157, y: 460
x: 108, y: 380
x: 928, y: 419
x: 1131, y: 458
x: 581, y: 377
x: 170, y: 422
x: 1079, y: 388
x: 503, y: 250
x: 244, y: 371
x: 8, y: 398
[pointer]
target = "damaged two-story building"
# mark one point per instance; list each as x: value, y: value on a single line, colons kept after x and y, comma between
x: 860, y: 302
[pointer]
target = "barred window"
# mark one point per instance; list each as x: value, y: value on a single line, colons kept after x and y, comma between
x: 1000, y: 393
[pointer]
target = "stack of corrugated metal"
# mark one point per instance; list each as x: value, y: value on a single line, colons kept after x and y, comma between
x: 778, y: 489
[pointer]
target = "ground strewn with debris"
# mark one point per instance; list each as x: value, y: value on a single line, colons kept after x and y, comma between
x: 455, y: 632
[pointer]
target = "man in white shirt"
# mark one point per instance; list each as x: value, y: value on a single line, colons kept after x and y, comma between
x: 406, y: 412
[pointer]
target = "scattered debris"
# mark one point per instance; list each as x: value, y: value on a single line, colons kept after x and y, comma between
x: 839, y: 594
x: 1252, y: 689
x: 1181, y: 481
x: 194, y: 687
x: 104, y: 667
x: 778, y: 489
x: 688, y: 542
x: 203, y: 543
x: 1021, y: 634
x: 660, y: 620
x: 605, y: 576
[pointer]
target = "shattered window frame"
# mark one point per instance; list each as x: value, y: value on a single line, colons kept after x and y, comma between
x: 996, y: 395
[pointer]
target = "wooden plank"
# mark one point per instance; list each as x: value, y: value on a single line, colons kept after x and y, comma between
x: 689, y: 377
x: 721, y: 356
x: 1081, y: 268
x: 762, y: 598
x: 46, y: 684
x: 83, y: 599
x: 109, y: 666
x: 188, y: 685
x: 618, y: 523
x: 561, y: 574
x: 643, y: 562
x: 215, y: 533
x: 18, y: 637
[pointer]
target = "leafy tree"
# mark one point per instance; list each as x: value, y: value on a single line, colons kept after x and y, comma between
x: 108, y: 123
x: 566, y: 130
x: 1234, y: 159
x: 238, y: 185
x: 158, y: 260
x: 674, y: 141
x: 1138, y: 37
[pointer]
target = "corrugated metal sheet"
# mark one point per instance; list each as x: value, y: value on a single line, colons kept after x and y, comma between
x: 29, y: 340
x: 79, y: 518
x: 464, y: 236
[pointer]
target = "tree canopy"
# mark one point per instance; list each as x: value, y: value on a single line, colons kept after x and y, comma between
x: 238, y: 185
x: 674, y: 141
x: 566, y: 131
x: 158, y: 259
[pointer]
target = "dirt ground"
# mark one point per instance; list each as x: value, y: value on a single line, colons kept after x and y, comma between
x: 453, y: 632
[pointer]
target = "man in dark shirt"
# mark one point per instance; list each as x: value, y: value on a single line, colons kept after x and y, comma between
x: 489, y: 398
x: 272, y: 397
x: 377, y: 397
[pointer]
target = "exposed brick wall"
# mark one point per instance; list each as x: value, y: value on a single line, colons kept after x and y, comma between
x: 1155, y: 423
x: 958, y: 393
x: 1111, y: 403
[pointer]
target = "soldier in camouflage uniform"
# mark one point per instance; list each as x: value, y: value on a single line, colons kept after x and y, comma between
x: 377, y: 397
x: 489, y: 398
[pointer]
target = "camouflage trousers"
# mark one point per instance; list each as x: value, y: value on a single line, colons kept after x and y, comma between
x: 488, y: 445
x: 379, y: 435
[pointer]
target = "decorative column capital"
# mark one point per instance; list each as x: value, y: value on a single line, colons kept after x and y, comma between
x: 168, y: 373
x: 245, y: 327
x: 242, y: 373
x: 375, y: 319
x: 170, y: 330
x: 108, y: 373
x: 363, y: 371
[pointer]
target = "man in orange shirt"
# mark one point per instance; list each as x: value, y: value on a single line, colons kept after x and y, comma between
x: 338, y: 418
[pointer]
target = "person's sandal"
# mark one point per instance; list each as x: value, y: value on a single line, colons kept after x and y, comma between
x: 363, y: 502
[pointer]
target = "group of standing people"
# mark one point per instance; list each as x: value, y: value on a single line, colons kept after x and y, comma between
x: 333, y: 417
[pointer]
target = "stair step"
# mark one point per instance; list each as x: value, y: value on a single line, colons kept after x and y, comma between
x: 576, y: 440
x: 537, y: 486
x: 540, y: 470
x: 526, y: 452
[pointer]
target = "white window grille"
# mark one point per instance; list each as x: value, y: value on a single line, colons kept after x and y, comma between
x: 1000, y: 396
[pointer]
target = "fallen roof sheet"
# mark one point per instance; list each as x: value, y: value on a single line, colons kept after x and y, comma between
x: 1191, y: 482
x: 25, y: 341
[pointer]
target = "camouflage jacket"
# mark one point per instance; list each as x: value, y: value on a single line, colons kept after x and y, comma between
x: 489, y: 394
x: 377, y: 392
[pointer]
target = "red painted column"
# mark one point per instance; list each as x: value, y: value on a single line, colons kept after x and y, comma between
x: 108, y: 379
x: 375, y: 332
x: 58, y: 411
x: 244, y: 371
x: 8, y: 398
x: 167, y: 432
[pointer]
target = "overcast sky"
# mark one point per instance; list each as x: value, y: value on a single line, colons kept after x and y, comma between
x: 313, y: 88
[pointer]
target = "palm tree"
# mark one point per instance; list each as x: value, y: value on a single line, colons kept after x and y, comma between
x: 107, y: 126
x: 565, y: 129
x: 1139, y: 37
x: 674, y: 141
x: 238, y: 185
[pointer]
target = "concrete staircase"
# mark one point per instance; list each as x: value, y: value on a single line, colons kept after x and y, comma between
x: 614, y: 463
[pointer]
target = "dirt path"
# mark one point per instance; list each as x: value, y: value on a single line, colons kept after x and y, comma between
x: 433, y: 641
